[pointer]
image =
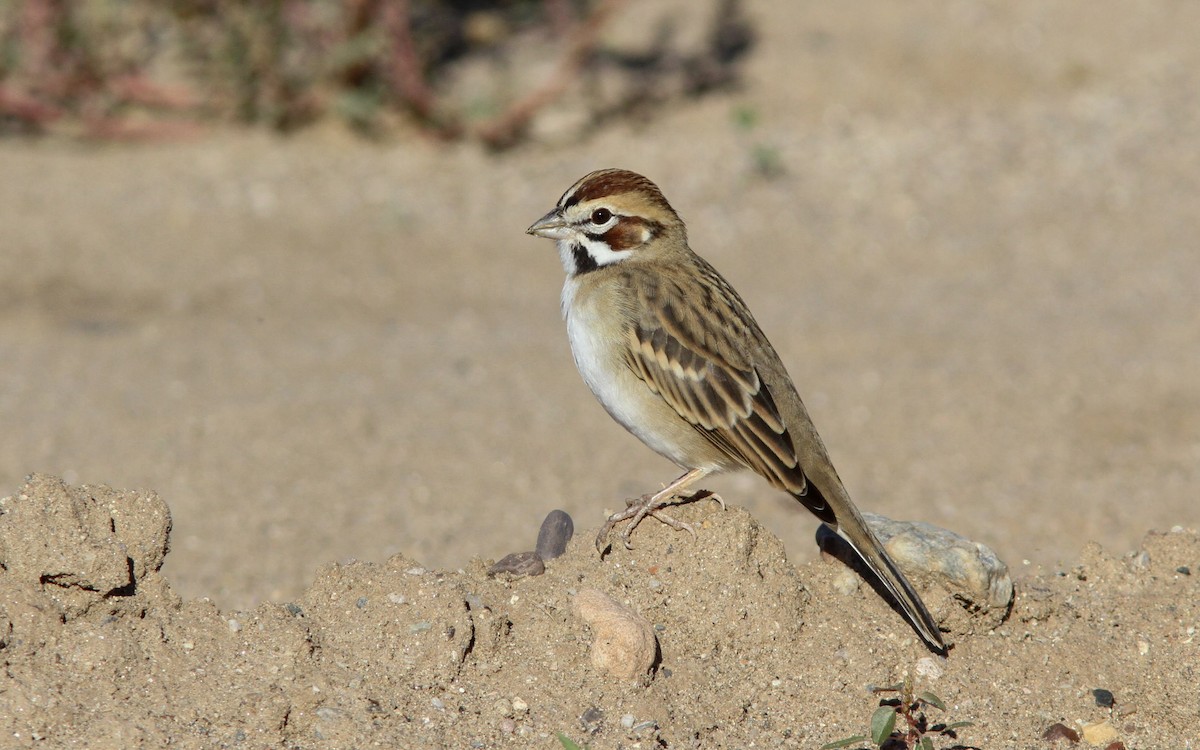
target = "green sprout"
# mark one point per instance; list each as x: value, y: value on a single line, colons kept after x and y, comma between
x: 908, y: 710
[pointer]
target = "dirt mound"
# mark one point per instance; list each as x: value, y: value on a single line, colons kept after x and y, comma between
x: 752, y: 650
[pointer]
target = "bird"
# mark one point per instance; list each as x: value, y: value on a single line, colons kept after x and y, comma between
x: 673, y: 354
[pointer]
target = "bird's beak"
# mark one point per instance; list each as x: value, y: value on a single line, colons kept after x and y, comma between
x: 552, y: 226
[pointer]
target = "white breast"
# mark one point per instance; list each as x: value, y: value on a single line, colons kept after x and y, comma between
x: 597, y: 347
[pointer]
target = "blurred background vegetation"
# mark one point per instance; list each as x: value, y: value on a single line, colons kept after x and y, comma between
x: 456, y: 69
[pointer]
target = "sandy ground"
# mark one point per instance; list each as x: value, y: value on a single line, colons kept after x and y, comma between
x: 979, y: 264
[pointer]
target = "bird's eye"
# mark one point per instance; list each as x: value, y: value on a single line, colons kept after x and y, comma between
x: 601, y: 216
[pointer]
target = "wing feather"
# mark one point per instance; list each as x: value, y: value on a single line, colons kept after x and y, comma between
x: 691, y: 352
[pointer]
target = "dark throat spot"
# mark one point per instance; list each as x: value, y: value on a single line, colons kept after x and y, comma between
x: 584, y: 262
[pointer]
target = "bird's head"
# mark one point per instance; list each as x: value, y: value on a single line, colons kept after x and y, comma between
x: 607, y: 217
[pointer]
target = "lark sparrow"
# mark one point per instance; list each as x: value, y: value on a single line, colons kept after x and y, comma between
x: 673, y: 354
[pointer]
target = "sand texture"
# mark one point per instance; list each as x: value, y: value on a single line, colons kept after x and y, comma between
x: 330, y: 376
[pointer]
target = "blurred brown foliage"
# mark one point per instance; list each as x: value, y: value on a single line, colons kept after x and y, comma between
x: 162, y: 68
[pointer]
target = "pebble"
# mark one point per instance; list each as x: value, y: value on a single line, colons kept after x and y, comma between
x: 928, y: 669
x: 438, y: 703
x: 1104, y: 698
x: 1060, y: 731
x: 520, y: 706
x: 969, y: 570
x: 627, y: 721
x: 557, y: 529
x: 1099, y: 733
x: 623, y: 643
x: 846, y: 582
x: 518, y: 565
x: 591, y: 719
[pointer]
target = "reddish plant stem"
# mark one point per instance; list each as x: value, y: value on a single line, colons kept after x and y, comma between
x: 504, y: 129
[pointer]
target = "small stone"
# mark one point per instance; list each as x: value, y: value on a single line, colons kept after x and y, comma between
x: 418, y: 571
x: 970, y: 571
x: 1117, y: 745
x: 928, y: 669
x: 520, y: 706
x: 1060, y: 731
x: 557, y: 529
x: 1183, y: 570
x: 1099, y: 733
x: 508, y: 726
x: 438, y: 703
x: 623, y: 644
x: 1143, y: 648
x: 591, y: 719
x: 502, y: 707
x: 1104, y: 698
x: 397, y: 598
x: 234, y: 625
x: 361, y: 603
x: 845, y: 582
x: 627, y: 721
x: 518, y: 565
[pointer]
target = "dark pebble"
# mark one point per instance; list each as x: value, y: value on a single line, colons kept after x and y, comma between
x: 556, y: 531
x: 591, y: 719
x: 518, y: 564
x: 1184, y: 570
x: 1115, y: 745
x: 1057, y: 732
x: 1104, y: 698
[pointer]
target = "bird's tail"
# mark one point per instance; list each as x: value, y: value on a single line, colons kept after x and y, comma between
x: 851, y: 527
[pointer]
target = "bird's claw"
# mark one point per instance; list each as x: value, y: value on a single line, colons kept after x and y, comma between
x: 637, y: 508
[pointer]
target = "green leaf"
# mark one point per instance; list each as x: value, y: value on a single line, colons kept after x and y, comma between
x: 844, y: 743
x: 745, y: 117
x: 925, y: 743
x: 883, y: 721
x: 958, y: 724
x: 889, y: 689
x: 932, y: 700
x: 568, y: 743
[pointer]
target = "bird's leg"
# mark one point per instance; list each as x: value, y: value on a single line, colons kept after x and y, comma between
x: 651, y: 504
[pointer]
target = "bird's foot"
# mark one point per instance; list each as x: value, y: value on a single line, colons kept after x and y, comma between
x: 651, y: 505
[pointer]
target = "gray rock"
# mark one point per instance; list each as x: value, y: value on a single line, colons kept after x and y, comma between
x: 517, y: 565
x: 969, y: 571
x: 557, y: 529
